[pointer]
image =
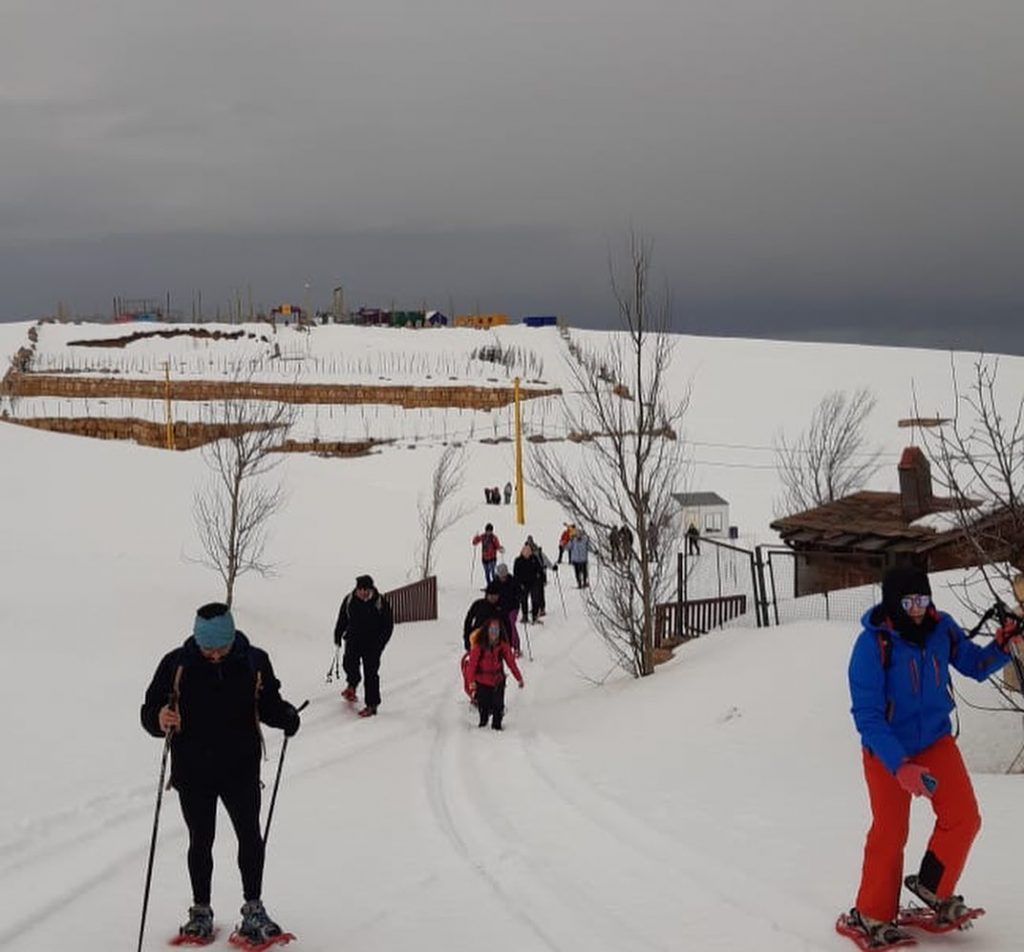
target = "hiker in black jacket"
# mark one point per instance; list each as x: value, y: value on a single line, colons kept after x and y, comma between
x: 527, y: 571
x: 211, y: 694
x: 482, y: 610
x: 365, y: 623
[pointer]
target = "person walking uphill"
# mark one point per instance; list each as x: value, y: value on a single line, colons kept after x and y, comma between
x: 579, y: 554
x: 485, y: 672
x: 490, y: 546
x: 211, y: 694
x: 902, y: 699
x: 365, y: 623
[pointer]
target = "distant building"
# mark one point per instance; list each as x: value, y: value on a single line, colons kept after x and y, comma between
x: 372, y: 317
x: 408, y: 318
x: 128, y: 310
x: 709, y: 512
x: 437, y: 319
x: 541, y: 320
x: 480, y: 320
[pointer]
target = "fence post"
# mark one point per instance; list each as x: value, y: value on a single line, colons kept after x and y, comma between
x: 678, y: 628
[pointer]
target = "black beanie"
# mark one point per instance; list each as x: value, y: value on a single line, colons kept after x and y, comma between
x: 906, y: 580
x: 364, y: 581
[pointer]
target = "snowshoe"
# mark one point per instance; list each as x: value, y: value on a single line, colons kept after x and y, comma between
x: 349, y: 694
x: 257, y: 931
x: 872, y: 934
x: 198, y: 930
x: 937, y: 915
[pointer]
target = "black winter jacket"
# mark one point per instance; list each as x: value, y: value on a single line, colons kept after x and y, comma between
x: 220, y: 711
x: 508, y: 599
x: 527, y: 572
x: 480, y: 612
x: 366, y: 623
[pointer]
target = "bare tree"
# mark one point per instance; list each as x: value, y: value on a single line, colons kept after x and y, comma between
x: 831, y: 458
x: 977, y: 458
x: 232, y: 509
x: 626, y: 462
x: 436, y: 511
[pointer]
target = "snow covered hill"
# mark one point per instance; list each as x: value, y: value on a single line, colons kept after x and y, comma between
x: 716, y: 805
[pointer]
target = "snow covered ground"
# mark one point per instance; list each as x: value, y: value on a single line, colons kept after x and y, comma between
x: 716, y: 805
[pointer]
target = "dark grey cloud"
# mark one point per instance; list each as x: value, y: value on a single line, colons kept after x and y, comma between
x: 805, y: 168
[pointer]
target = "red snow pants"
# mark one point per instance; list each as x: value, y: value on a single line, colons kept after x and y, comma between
x: 956, y: 824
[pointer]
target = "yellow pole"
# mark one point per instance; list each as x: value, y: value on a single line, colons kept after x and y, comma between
x: 520, y: 508
x: 167, y: 398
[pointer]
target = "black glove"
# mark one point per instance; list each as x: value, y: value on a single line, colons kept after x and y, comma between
x: 337, y: 639
x: 554, y: 568
x: 291, y: 720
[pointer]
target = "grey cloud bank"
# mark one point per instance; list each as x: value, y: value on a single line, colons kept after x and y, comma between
x: 806, y: 169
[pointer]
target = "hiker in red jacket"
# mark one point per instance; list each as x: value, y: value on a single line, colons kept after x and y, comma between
x: 485, y: 672
x: 490, y: 546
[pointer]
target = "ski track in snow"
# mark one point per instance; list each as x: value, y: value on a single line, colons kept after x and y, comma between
x: 46, y: 860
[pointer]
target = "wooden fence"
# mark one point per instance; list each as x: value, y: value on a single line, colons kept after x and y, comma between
x: 415, y: 602
x: 695, y: 617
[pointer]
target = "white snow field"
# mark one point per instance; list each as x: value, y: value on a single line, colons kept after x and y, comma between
x: 717, y: 805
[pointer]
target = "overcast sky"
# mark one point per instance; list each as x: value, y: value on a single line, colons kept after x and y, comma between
x: 832, y: 169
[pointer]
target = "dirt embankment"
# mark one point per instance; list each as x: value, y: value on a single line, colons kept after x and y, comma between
x: 186, y: 436
x: 18, y: 384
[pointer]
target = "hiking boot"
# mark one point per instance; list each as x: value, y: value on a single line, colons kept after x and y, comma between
x: 200, y: 922
x: 368, y: 711
x: 349, y: 694
x: 257, y: 926
x: 950, y: 909
x: 878, y: 933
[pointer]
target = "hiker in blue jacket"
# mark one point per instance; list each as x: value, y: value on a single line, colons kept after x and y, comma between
x: 902, y: 700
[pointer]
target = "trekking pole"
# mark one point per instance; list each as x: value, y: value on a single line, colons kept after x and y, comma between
x: 277, y: 780
x: 333, y: 670
x: 561, y: 594
x: 526, y: 631
x: 472, y: 566
x: 152, y: 842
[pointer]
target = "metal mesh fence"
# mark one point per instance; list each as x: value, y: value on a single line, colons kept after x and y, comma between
x: 719, y: 570
x: 846, y: 604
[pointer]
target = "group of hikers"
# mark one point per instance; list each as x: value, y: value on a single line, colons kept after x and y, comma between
x: 492, y: 495
x: 210, y: 695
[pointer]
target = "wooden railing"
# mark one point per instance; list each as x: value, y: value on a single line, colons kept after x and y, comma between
x: 695, y: 617
x: 415, y: 602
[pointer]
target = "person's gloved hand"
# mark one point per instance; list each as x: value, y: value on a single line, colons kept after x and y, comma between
x: 1009, y: 634
x: 291, y: 721
x: 337, y: 639
x: 915, y: 779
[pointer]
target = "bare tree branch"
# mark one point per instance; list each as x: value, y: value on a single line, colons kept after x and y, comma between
x: 232, y: 509
x: 436, y: 513
x: 629, y: 459
x: 831, y: 458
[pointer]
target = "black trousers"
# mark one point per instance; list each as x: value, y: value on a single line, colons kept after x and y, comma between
x: 531, y: 601
x: 241, y: 799
x: 582, y: 574
x: 360, y: 654
x: 490, y: 702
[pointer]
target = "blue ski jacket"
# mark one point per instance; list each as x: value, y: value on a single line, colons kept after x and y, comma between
x: 901, y: 692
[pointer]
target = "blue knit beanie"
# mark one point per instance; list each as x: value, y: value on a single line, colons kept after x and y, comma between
x: 214, y: 627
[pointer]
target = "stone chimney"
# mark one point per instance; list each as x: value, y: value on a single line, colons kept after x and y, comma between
x: 915, y: 484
